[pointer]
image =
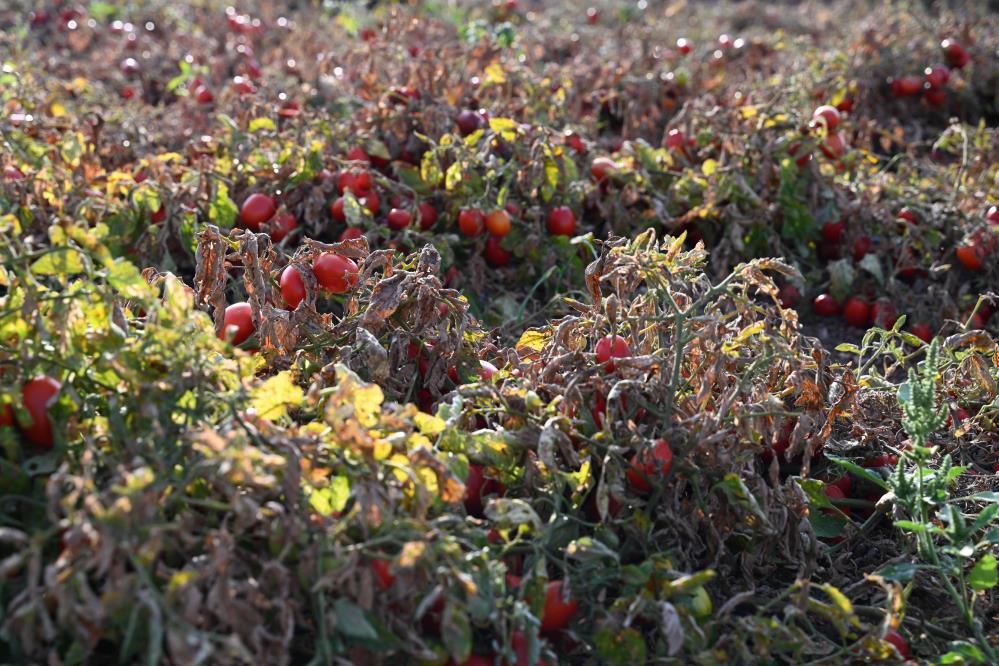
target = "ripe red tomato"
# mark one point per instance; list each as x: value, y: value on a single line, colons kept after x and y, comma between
x: 649, y: 463
x: 675, y: 140
x: 924, y: 332
x: 399, y: 219
x: 684, y: 46
x: 562, y: 221
x: 158, y: 215
x: 428, y: 215
x: 934, y: 97
x: 204, y: 95
x: 477, y: 488
x: 557, y: 611
x: 908, y: 215
x: 936, y: 76
x: 346, y: 180
x: 906, y: 86
x: 883, y: 460
x: 793, y: 149
x: 292, y: 287
x: 856, y: 312
x: 610, y: 347
x: 992, y: 216
x: 358, y: 154
x: 827, y: 114
x: 789, y: 295
x: 371, y: 202
x: 834, y: 145
x: 237, y: 322
x: 883, y: 314
x: 575, y: 142
x: 337, y: 211
x: 825, y: 305
x: 243, y: 85
x: 592, y: 15
x: 498, y: 223
x: 282, y: 226
x: 834, y: 493
x: 471, y: 221
x: 383, y: 573
x: 257, y: 209
x: 351, y: 232
x: 487, y: 370
x: 469, y: 121
x: 335, y: 273
x: 601, y: 167
x: 496, y: 255
x: 363, y: 182
x: 6, y: 415
x: 954, y: 53
x: 833, y: 231
x: 971, y: 256
x: 38, y: 395
x: 897, y: 640
x: 861, y: 247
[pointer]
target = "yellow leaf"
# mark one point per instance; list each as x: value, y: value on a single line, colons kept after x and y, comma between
x: 57, y: 110
x: 709, y: 167
x: 749, y: 112
x: 428, y: 424
x: 272, y: 398
x: 533, y: 340
x: 495, y: 74
x: 412, y: 551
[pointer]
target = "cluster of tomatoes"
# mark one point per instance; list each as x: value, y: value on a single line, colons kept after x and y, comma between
x: 935, y: 77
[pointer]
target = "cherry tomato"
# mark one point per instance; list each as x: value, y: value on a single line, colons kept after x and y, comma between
x: 562, y: 221
x: 428, y: 215
x: 38, y: 395
x: 557, y: 611
x: 883, y: 314
x: 834, y: 145
x: 496, y: 255
x: 883, y: 460
x: 856, y: 312
x: 257, y: 209
x: 383, y: 573
x: 899, y: 642
x: 477, y: 488
x: 924, y: 332
x: 675, y: 140
x: 158, y: 215
x: 6, y: 415
x: 471, y: 222
x: 954, y: 53
x: 399, y: 219
x: 350, y: 233
x: 906, y: 86
x: 237, y: 321
x: 684, y: 46
x: 936, y: 76
x: 833, y: 231
x: 609, y: 347
x: 282, y: 226
x: 498, y: 223
x: 337, y: 211
x: 825, y: 305
x: 649, y: 463
x: 992, y: 215
x: 789, y: 296
x: 335, y: 273
x: 908, y: 215
x: 601, y: 167
x: 292, y: 287
x: 358, y: 154
x: 469, y: 121
x: 971, y: 256
x: 828, y: 115
x: 861, y: 247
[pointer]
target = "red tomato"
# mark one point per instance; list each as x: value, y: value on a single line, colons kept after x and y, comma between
x: 347, y: 180
x: 861, y: 247
x: 601, y: 167
x: 292, y: 287
x: 883, y: 460
x: 498, y: 223
x: 833, y: 231
x: 399, y: 219
x: 158, y: 215
x: 899, y: 642
x: 237, y: 322
x: 471, y: 221
x: 793, y: 149
x: 477, y: 488
x: 684, y: 46
x: 371, y: 202
x: 649, y: 463
x: 38, y: 395
x: 924, y: 332
x: 844, y: 484
x: 592, y: 16
x: 856, y: 312
x: 825, y: 305
x: 487, y: 370
x: 351, y: 232
x: 789, y: 295
x: 557, y: 611
x: 428, y: 215
x: 469, y: 121
x: 675, y: 140
x: 575, y: 142
x: 827, y: 114
x: 883, y: 314
x: 335, y: 273
x: 363, y: 182
x: 257, y: 209
x: 562, y: 221
x: 496, y: 255
x: 383, y: 573
x: 243, y: 86
x: 609, y: 347
x: 6, y: 415
x: 204, y: 95
x: 992, y: 216
x: 971, y: 256
x: 834, y: 145
x: 955, y: 54
x: 934, y: 97
x: 906, y: 86
x: 282, y: 226
x: 358, y: 154
x: 337, y: 211
x: 937, y: 76
x: 908, y: 215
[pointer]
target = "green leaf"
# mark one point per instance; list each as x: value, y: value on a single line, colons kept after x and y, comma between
x: 848, y: 348
x: 737, y: 493
x: 59, y: 261
x: 857, y: 470
x: 984, y: 576
x: 902, y: 572
x: 620, y: 646
x: 962, y: 653
x: 331, y: 499
x: 223, y: 211
x: 351, y: 621
x: 127, y: 280
x: 456, y: 630
x: 826, y: 526
x: 841, y: 275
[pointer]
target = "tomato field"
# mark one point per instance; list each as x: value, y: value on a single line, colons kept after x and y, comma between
x: 512, y: 332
